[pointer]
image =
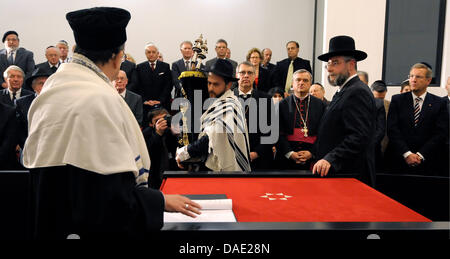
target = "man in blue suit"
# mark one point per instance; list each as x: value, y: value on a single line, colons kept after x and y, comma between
x: 12, y: 54
x: 417, y: 126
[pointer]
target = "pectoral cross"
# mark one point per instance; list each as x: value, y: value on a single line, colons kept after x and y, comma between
x: 305, y: 131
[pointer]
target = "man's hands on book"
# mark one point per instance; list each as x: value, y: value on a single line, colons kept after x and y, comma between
x: 179, y: 203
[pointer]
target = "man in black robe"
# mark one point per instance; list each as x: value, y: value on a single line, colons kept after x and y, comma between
x: 300, y: 116
x: 80, y: 185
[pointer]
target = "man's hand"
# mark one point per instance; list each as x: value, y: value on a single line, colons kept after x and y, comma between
x: 322, y: 167
x: 178, y: 203
x: 253, y: 156
x: 161, y: 126
x: 151, y: 102
x: 304, y: 156
x: 413, y: 160
x: 296, y: 157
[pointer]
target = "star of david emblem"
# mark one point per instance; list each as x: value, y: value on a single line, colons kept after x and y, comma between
x: 276, y: 196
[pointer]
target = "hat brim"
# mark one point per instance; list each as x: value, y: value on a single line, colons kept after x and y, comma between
x: 357, y: 54
x: 29, y: 80
x: 215, y: 72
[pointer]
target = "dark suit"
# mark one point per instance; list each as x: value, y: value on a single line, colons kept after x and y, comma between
x: 380, y: 131
x: 264, y: 150
x: 264, y: 80
x: 22, y: 107
x: 8, y: 137
x: 6, y: 98
x: 347, y: 132
x: 23, y: 59
x: 426, y: 138
x: 179, y: 67
x: 270, y: 67
x: 282, y: 67
x: 134, y: 101
x: 46, y: 66
x: 289, y: 118
x: 210, y: 62
x: 153, y: 85
x: 128, y: 67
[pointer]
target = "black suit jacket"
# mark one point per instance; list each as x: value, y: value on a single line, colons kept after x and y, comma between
x: 6, y: 99
x: 8, y: 137
x: 46, y: 66
x: 426, y: 138
x: 347, y: 131
x: 129, y: 68
x: 264, y: 80
x: 287, y: 112
x: 22, y: 107
x: 179, y: 67
x: 264, y: 150
x: 134, y: 101
x: 24, y: 59
x: 153, y: 85
x: 281, y: 70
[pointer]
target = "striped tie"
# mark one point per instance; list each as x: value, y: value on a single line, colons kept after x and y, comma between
x: 417, y: 110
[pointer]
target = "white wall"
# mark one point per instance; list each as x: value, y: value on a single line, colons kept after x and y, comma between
x: 244, y: 24
x: 364, y: 20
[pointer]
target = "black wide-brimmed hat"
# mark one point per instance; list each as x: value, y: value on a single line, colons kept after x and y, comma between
x: 99, y: 28
x: 343, y: 46
x: 223, y: 68
x: 38, y: 72
x: 9, y: 33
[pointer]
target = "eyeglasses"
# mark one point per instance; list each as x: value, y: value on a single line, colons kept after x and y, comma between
x: 243, y: 73
x: 415, y: 76
x: 255, y: 57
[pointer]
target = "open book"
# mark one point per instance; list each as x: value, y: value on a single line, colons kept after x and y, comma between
x: 213, y: 210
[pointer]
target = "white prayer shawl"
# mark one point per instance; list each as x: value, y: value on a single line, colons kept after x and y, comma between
x: 224, y: 123
x: 79, y: 119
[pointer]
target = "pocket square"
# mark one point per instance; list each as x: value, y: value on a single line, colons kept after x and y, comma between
x: 162, y: 73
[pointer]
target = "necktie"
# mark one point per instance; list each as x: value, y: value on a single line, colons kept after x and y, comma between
x: 289, y: 77
x: 11, y: 58
x: 53, y: 69
x: 153, y: 66
x: 417, y: 110
x: 187, y: 65
x: 14, y: 96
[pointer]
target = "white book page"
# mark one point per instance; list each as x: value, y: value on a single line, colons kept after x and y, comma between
x: 212, y: 211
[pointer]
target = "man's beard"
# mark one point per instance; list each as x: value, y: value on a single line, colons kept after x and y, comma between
x: 339, y: 80
x: 216, y: 96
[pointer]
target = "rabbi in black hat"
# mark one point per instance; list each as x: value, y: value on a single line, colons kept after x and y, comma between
x: 223, y: 143
x: 12, y: 54
x: 85, y: 149
x: 345, y: 141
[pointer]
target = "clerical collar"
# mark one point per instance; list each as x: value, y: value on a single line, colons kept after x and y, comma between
x: 346, y: 81
x: 301, y: 98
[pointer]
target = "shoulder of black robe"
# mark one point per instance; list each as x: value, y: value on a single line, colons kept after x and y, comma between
x: 69, y: 200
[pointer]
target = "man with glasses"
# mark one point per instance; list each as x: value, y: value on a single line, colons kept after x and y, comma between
x: 417, y: 126
x: 345, y: 142
x: 253, y: 101
x: 12, y: 54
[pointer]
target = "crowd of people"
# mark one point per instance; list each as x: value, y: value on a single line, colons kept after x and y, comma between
x: 149, y: 88
x: 50, y: 123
